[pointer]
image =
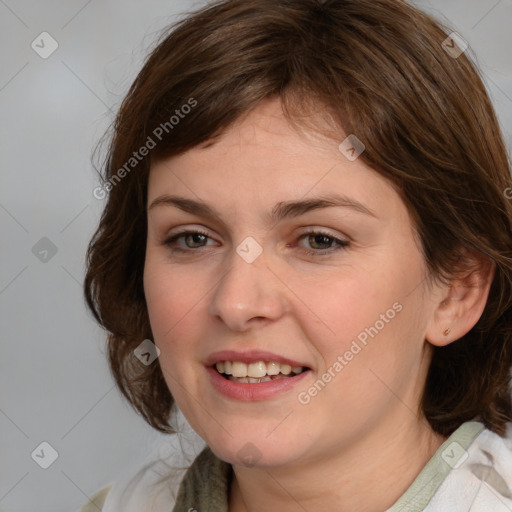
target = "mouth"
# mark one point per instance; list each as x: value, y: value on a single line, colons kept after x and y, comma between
x: 256, y: 372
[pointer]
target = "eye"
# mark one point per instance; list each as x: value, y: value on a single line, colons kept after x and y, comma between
x: 197, y: 239
x: 321, y: 238
x: 193, y: 240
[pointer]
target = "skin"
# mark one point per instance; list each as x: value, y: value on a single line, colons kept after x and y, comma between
x: 364, y: 423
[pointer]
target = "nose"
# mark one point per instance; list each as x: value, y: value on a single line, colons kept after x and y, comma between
x: 247, y: 294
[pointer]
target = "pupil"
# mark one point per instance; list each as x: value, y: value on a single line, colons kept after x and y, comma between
x: 195, y: 236
x: 324, y: 237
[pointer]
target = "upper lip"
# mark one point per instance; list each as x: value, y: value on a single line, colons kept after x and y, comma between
x: 250, y: 356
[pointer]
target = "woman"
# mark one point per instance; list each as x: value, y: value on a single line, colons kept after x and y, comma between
x: 306, y: 247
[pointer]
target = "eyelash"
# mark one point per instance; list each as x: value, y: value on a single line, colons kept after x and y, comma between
x: 341, y: 244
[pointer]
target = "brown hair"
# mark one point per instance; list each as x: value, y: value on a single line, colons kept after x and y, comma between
x: 379, y: 70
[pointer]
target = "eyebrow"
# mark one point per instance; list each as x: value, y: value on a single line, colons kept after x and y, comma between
x: 282, y: 210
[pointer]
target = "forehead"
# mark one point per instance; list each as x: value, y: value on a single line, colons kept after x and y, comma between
x: 262, y: 160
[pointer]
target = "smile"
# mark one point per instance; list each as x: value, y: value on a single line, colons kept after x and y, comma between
x: 250, y: 389
x: 256, y: 372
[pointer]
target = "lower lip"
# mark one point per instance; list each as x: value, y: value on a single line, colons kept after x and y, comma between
x: 258, y: 391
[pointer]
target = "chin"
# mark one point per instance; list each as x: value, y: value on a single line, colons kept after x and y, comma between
x: 254, y: 451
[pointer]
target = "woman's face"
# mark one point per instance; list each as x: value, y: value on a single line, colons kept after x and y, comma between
x: 262, y: 290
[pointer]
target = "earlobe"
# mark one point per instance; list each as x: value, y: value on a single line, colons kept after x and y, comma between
x: 443, y: 328
x: 462, y: 306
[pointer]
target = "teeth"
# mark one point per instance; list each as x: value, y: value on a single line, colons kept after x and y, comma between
x: 250, y: 380
x: 258, y: 371
x: 286, y: 369
x: 238, y: 369
x: 273, y: 368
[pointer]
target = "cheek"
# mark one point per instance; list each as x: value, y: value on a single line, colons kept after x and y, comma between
x: 174, y: 306
x: 362, y: 317
x: 339, y: 308
x: 166, y: 293
x: 168, y: 310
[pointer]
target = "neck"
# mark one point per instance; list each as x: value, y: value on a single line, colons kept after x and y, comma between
x: 343, y: 479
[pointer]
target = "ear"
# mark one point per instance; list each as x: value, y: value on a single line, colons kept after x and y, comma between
x: 462, y: 302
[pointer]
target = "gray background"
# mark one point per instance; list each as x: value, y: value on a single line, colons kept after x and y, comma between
x: 55, y: 385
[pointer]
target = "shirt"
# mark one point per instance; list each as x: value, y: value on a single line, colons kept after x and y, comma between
x: 470, y: 472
